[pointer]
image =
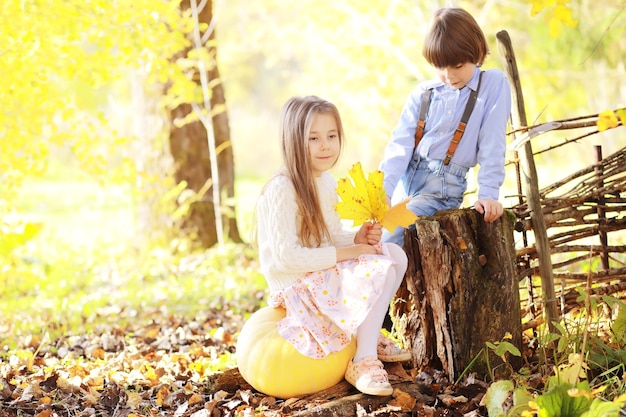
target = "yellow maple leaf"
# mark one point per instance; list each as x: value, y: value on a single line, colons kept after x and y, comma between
x: 364, y: 200
x: 621, y: 113
x: 564, y: 14
x: 361, y: 200
x: 607, y: 120
x: 555, y: 28
x: 398, y: 215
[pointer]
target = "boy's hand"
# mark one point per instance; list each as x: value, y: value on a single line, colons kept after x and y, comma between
x: 491, y: 209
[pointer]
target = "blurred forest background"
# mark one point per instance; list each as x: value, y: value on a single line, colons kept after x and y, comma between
x: 90, y: 205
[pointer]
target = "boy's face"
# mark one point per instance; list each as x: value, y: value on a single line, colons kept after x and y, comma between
x: 457, y: 76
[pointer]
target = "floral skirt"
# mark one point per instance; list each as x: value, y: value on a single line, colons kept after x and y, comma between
x: 325, y: 308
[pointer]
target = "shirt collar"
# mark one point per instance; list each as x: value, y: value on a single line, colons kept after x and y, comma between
x: 473, y: 83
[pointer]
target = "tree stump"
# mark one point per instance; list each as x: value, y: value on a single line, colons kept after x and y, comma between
x: 460, y: 291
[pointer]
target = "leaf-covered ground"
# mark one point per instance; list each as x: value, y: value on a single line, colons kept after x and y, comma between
x: 166, y: 367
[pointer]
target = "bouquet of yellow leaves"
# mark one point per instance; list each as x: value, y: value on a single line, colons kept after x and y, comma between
x: 365, y: 200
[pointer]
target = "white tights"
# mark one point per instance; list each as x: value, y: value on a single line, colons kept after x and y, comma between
x: 367, y: 333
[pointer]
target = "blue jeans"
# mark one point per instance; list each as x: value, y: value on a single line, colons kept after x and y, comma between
x: 432, y: 186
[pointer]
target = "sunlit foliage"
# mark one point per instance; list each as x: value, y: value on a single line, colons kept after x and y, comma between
x: 560, y: 14
x: 57, y: 56
x: 63, y: 62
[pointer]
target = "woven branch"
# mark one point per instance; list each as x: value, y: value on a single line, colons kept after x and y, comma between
x: 569, y: 301
x: 589, y: 203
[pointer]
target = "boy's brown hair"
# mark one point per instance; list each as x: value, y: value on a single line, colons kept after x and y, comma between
x: 454, y: 38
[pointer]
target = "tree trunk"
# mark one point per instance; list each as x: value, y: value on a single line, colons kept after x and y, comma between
x: 190, y: 150
x: 460, y: 292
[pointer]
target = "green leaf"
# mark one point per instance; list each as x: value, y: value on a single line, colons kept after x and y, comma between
x: 558, y: 403
x: 560, y: 328
x: 601, y: 408
x: 521, y: 398
x: 12, y: 239
x: 504, y: 347
x: 619, y: 325
x: 495, y: 397
x: 551, y: 337
x: 563, y: 344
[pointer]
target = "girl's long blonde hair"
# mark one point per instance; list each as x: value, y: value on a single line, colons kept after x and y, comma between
x: 296, y: 118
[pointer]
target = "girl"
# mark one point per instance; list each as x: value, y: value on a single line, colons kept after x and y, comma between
x: 335, y: 284
x: 430, y: 164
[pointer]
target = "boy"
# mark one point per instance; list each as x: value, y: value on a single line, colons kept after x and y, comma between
x: 430, y: 163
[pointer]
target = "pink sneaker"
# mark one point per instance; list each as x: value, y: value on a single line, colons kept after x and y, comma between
x: 388, y: 351
x: 369, y: 376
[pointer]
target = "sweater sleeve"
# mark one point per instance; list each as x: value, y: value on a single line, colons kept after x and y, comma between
x: 282, y: 256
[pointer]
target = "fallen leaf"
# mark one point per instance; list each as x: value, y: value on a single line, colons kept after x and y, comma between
x: 45, y: 400
x: 396, y: 372
x: 181, y: 410
x: 133, y: 400
x: 45, y: 413
x: 162, y: 396
x: 195, y: 399
x: 449, y: 399
x: 97, y: 353
x: 404, y: 400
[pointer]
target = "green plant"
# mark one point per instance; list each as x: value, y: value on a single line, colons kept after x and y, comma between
x: 500, y: 393
x: 68, y: 292
x: 502, y: 349
x: 565, y: 395
x: 578, y: 354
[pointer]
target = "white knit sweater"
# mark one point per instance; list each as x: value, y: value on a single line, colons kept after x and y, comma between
x: 282, y: 255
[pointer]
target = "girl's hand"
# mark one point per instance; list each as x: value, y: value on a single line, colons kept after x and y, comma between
x: 369, y: 233
x: 352, y: 252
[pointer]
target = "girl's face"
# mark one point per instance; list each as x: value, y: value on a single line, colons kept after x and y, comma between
x: 457, y: 76
x: 323, y: 143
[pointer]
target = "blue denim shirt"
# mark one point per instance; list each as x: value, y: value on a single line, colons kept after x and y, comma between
x: 483, y: 143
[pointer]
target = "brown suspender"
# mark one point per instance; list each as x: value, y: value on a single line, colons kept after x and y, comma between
x: 421, y: 123
x: 458, y: 134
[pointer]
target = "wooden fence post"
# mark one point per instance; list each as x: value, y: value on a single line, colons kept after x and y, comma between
x: 604, y: 240
x: 531, y: 184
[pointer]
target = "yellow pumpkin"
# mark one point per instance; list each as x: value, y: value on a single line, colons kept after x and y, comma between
x: 274, y: 367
